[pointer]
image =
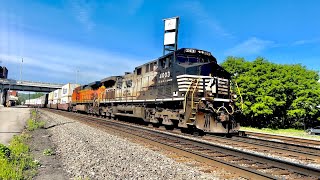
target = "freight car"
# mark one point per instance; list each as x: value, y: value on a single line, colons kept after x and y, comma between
x: 61, y: 98
x: 40, y: 102
x: 184, y: 89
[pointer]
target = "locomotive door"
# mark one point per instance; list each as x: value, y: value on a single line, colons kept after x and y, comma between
x: 127, y: 89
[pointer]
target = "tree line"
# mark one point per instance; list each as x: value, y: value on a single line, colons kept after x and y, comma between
x: 274, y: 95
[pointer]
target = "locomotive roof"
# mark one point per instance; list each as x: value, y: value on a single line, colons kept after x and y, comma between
x: 183, y: 51
x: 189, y: 51
x: 114, y: 78
x: 95, y: 83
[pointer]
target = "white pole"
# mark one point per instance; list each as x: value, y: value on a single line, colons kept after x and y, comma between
x: 21, y: 70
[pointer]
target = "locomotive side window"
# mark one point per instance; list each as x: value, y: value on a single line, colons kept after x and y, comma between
x: 166, y: 62
x: 162, y: 63
x: 151, y: 66
x: 139, y: 71
x: 129, y: 83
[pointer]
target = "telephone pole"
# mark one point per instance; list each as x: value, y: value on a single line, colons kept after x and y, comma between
x: 21, y: 70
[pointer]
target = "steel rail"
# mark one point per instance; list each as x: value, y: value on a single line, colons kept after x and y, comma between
x: 301, y: 169
x: 293, y: 140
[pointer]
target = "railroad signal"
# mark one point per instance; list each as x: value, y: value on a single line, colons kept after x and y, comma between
x: 170, y: 41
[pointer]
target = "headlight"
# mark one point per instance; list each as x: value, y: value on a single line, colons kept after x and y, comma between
x: 235, y: 96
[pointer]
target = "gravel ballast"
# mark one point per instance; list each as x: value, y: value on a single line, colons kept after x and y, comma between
x: 85, y: 151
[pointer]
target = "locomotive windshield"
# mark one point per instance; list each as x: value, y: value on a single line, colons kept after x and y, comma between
x: 194, y: 56
x: 192, y: 59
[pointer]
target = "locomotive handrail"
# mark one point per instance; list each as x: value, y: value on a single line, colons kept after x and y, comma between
x: 193, y: 92
x: 185, y: 97
x: 240, y: 95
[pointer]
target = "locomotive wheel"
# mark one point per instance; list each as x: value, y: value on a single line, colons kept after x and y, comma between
x: 168, y: 127
x: 185, y: 130
x: 156, y: 125
x: 197, y: 133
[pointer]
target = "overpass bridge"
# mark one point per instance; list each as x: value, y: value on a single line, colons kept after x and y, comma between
x: 10, y: 84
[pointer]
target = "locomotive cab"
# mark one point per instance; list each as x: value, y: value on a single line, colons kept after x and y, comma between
x: 204, y: 86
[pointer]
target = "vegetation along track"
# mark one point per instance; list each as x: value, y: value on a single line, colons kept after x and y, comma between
x: 249, y: 165
x: 281, y: 138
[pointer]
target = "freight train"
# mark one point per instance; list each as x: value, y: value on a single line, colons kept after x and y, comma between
x: 184, y: 89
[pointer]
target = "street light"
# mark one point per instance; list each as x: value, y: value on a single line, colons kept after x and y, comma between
x: 21, y: 70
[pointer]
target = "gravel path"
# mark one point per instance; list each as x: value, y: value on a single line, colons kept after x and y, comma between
x: 88, y: 152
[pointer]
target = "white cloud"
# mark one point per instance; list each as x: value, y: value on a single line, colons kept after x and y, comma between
x: 45, y: 57
x: 306, y: 41
x: 197, y: 10
x: 134, y: 6
x: 82, y: 11
x: 252, y: 46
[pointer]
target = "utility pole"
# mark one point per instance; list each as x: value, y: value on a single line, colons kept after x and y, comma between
x: 21, y: 70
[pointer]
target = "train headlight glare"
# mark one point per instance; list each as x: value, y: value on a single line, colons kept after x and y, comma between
x: 235, y: 96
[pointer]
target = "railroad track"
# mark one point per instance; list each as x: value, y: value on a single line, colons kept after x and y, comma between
x: 246, y: 164
x: 281, y: 138
x: 303, y: 154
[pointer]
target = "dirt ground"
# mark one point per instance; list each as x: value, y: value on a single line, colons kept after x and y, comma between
x: 50, y: 167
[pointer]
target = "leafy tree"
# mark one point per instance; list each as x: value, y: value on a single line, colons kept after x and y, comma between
x: 275, y: 95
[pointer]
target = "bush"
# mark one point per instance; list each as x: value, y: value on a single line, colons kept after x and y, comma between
x: 34, y: 124
x: 19, y: 164
x: 4, y: 151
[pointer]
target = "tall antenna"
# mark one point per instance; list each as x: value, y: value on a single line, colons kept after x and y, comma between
x: 171, y: 26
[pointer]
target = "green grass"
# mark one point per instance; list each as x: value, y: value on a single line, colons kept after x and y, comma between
x: 287, y: 132
x: 33, y: 123
x: 48, y: 152
x: 16, y: 161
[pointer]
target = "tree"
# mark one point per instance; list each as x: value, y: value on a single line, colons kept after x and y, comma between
x: 275, y: 95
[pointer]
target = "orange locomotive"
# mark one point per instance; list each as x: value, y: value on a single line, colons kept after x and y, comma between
x: 91, y: 93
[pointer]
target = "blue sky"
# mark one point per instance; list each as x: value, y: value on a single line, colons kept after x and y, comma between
x: 102, y: 38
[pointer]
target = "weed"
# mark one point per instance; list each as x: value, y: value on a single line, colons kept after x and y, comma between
x: 80, y: 178
x: 4, y: 151
x: 33, y: 114
x: 34, y: 124
x: 48, y: 152
x: 19, y: 164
